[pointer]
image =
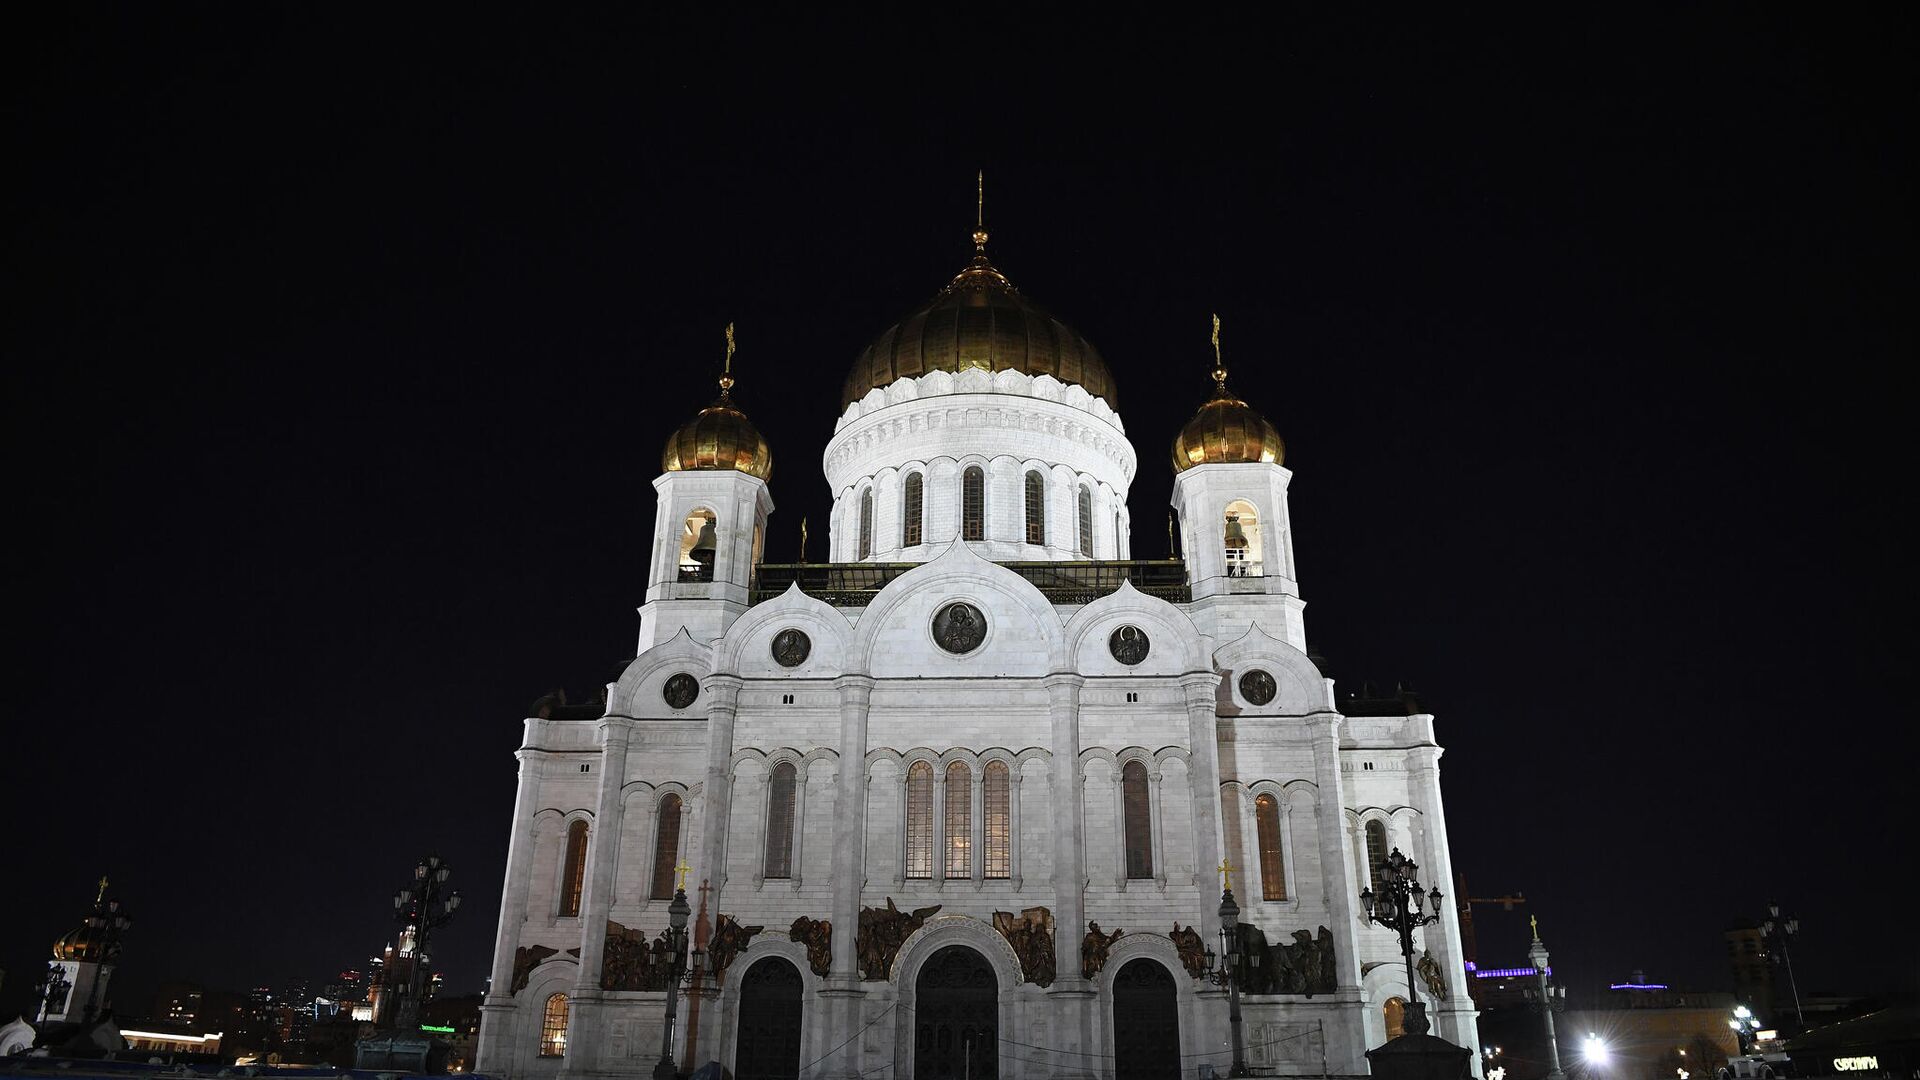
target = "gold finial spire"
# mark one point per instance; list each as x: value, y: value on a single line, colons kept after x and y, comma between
x: 683, y: 870
x: 1219, y: 366
x: 1534, y: 921
x: 980, y: 216
x: 803, y: 541
x: 726, y: 374
x: 102, y: 894
x: 1226, y: 875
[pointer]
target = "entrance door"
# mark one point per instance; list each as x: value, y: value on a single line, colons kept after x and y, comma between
x: 1146, y: 1023
x: 956, y: 1018
x: 768, y: 1046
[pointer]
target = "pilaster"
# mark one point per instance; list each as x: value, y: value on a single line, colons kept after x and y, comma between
x: 497, y: 1012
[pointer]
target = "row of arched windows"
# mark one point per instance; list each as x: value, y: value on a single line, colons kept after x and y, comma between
x: 956, y: 843
x: 973, y: 511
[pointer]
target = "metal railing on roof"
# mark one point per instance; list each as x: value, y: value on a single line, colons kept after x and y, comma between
x: 856, y: 584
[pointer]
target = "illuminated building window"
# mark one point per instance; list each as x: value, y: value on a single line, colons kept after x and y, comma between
x: 573, y: 879
x: 973, y: 504
x: 1376, y: 851
x: 920, y: 820
x: 1036, y: 509
x: 1242, y: 540
x: 959, y: 821
x: 780, y: 793
x: 910, y: 526
x: 1138, y: 812
x: 1266, y: 819
x: 866, y: 523
x: 1086, y: 522
x: 1395, y: 1014
x: 666, y: 847
x: 553, y: 1027
x: 999, y: 824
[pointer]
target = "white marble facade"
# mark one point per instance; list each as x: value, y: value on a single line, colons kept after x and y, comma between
x: 1042, y: 697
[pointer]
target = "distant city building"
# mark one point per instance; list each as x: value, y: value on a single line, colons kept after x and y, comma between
x: 1752, y: 970
x: 179, y: 1003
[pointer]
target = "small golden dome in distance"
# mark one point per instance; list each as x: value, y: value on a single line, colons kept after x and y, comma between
x: 1226, y: 430
x: 719, y: 437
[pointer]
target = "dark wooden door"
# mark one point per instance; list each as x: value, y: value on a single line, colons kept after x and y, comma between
x: 1146, y: 1023
x: 956, y: 1018
x: 768, y: 1046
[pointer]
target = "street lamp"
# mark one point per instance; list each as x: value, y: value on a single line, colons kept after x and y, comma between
x: 1229, y: 975
x: 1545, y: 998
x: 421, y: 906
x: 1596, y: 1049
x: 676, y: 962
x: 1744, y: 1024
x: 1401, y: 906
x: 1778, y: 931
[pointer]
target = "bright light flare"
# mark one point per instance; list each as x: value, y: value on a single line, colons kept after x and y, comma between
x: 1596, y: 1049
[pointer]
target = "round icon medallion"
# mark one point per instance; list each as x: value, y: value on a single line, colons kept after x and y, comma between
x: 681, y: 690
x: 959, y: 627
x: 791, y: 647
x: 1257, y: 687
x: 1128, y: 645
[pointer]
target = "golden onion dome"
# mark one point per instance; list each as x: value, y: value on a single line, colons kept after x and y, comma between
x: 979, y: 321
x: 80, y: 943
x: 1226, y: 430
x: 719, y: 436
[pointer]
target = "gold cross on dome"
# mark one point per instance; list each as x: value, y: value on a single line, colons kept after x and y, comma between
x: 1226, y: 875
x: 683, y: 870
x: 1534, y: 921
x: 102, y: 895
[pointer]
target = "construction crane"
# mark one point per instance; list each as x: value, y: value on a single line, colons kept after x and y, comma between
x: 1466, y: 900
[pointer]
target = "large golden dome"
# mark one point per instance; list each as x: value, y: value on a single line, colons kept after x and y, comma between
x: 719, y: 437
x: 979, y: 321
x: 1226, y: 430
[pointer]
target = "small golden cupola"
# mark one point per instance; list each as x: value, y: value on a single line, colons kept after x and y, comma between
x: 720, y: 436
x: 1226, y: 430
x: 97, y: 938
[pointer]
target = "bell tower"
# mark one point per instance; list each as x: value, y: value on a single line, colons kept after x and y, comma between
x: 1230, y: 496
x: 710, y: 522
x: 83, y: 961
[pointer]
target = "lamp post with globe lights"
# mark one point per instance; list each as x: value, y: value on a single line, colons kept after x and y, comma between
x: 677, y: 969
x: 1545, y: 998
x: 1229, y: 975
x: 1744, y: 1025
x: 1402, y: 907
x: 421, y: 906
x: 1778, y: 930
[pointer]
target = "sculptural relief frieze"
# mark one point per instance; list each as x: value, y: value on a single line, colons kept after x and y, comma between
x: 817, y: 936
x: 680, y: 691
x: 882, y: 932
x: 1306, y: 966
x: 1030, y: 934
x: 791, y: 647
x: 959, y: 627
x: 1192, y: 949
x: 729, y: 940
x: 1094, y: 948
x: 631, y: 962
x: 525, y: 959
x: 1257, y: 687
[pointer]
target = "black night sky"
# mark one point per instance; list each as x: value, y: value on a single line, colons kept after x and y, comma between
x: 342, y: 344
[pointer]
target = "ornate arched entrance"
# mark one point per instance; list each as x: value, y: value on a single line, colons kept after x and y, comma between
x: 956, y: 1018
x: 768, y: 1046
x: 1146, y: 1022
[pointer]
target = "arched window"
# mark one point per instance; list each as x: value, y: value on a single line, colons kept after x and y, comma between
x: 1036, y: 509
x: 1134, y: 797
x: 1119, y: 552
x: 666, y: 847
x: 920, y: 820
x: 699, y: 542
x: 959, y: 821
x: 866, y: 523
x: 1273, y: 875
x: 973, y: 504
x: 999, y: 824
x: 1376, y: 851
x: 553, y: 1027
x: 1241, y: 533
x: 1086, y: 522
x: 573, y: 878
x: 910, y: 523
x: 780, y: 821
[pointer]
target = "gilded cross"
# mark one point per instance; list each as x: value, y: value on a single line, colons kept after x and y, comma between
x: 1534, y: 921
x: 103, y: 889
x: 1226, y: 875
x: 729, y: 370
x: 683, y: 870
x: 1216, y: 340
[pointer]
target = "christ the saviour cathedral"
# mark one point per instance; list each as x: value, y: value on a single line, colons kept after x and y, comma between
x: 956, y: 803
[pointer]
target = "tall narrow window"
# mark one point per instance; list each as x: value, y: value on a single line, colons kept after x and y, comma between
x: 999, y: 824
x: 573, y: 879
x: 920, y: 820
x: 959, y: 821
x: 910, y: 525
x: 1139, y: 824
x: 1376, y: 851
x: 866, y: 523
x: 780, y: 821
x: 666, y: 847
x: 1242, y: 540
x: 973, y: 504
x: 1086, y: 522
x: 1036, y: 509
x: 553, y: 1027
x: 1273, y: 875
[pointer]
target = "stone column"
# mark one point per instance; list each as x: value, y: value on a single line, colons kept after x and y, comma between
x: 497, y: 1013
x: 1453, y: 1017
x: 1072, y: 995
x: 717, y: 791
x: 586, y: 1019
x: 842, y: 994
x: 1338, y: 880
x: 1203, y: 741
